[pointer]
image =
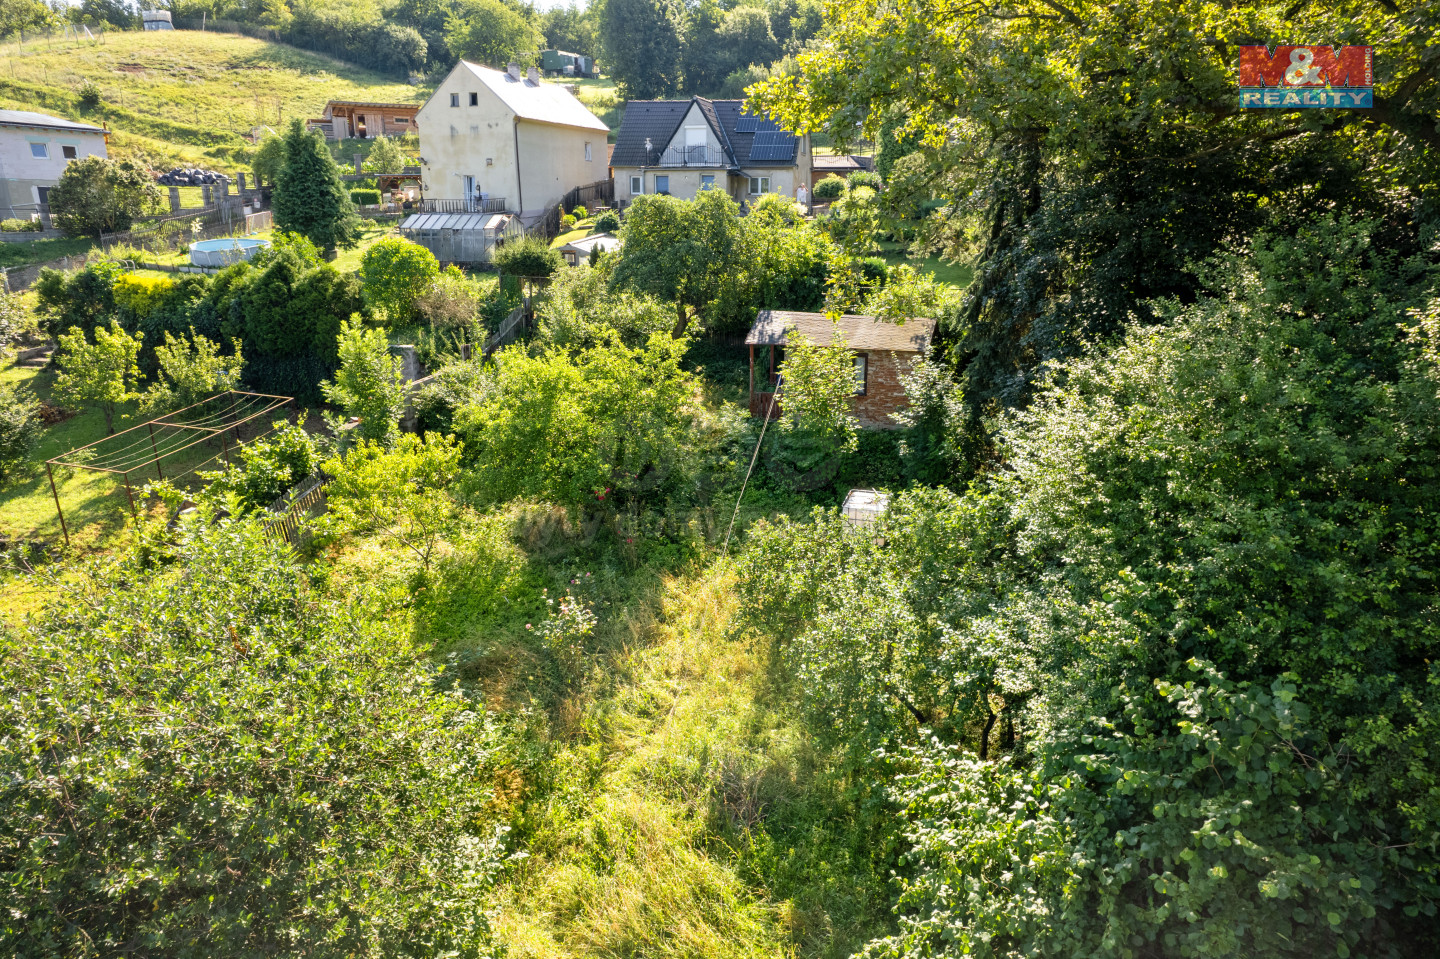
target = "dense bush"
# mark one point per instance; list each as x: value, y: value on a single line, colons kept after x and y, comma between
x: 206, y: 760
x: 1192, y: 617
x: 95, y: 195
x: 866, y: 178
x: 527, y: 258
x: 580, y: 308
x: 20, y: 428
x: 608, y: 425
x: 85, y: 298
x: 268, y: 467
x: 21, y: 226
x: 286, y: 308
x: 364, y: 197
x: 829, y: 188
x: 395, y: 272
x: 607, y: 221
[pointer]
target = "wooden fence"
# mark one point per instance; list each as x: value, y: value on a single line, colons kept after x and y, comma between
x: 591, y: 195
x: 285, y: 518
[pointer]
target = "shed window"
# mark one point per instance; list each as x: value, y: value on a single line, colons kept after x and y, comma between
x: 862, y: 373
x: 588, y: 156
x: 402, y: 121
x: 454, y: 99
x: 40, y: 151
x: 637, y: 185
x: 662, y: 184
x: 68, y: 152
x: 759, y: 185
x: 474, y: 99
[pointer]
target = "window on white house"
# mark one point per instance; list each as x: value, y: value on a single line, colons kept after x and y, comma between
x: 454, y: 99
x: 707, y: 180
x: 474, y: 99
x: 637, y: 185
x: 662, y: 184
x: 862, y: 373
x: 588, y: 156
x: 40, y: 151
x: 68, y: 153
x: 759, y: 185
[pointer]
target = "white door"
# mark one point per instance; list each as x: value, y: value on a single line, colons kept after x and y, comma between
x: 467, y: 186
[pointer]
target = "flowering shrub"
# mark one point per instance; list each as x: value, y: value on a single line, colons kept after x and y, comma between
x: 564, y: 630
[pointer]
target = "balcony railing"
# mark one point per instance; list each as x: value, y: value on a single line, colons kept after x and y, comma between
x: 691, y: 157
x: 492, y: 204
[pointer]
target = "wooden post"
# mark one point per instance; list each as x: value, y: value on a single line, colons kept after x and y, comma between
x: 130, y: 495
x: 53, y: 492
x: 151, y: 428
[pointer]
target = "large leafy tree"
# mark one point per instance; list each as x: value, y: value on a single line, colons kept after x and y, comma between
x: 1092, y: 149
x: 1166, y: 685
x: 641, y: 39
x: 309, y: 197
x: 96, y: 195
x: 205, y: 758
x: 368, y: 383
x: 684, y: 251
x: 102, y: 374
x: 491, y: 33
x: 395, y: 271
x: 570, y: 28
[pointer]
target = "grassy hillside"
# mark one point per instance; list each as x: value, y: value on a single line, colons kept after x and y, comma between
x: 185, y: 96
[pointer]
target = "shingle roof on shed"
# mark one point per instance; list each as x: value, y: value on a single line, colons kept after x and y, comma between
x: 861, y: 332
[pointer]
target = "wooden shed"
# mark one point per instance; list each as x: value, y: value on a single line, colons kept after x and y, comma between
x: 882, y: 352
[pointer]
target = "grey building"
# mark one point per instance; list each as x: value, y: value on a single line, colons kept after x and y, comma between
x: 35, y: 148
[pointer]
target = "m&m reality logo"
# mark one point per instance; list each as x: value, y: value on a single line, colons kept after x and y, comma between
x: 1306, y: 77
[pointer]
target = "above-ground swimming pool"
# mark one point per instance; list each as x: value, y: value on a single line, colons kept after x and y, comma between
x: 226, y: 251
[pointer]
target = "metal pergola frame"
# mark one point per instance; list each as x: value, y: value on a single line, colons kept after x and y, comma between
x: 214, y: 417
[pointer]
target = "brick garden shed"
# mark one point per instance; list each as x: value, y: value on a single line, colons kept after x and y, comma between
x: 882, y: 350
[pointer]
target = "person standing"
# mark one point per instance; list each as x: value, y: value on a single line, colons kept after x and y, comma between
x: 802, y: 197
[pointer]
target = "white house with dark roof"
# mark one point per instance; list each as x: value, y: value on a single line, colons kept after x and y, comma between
x: 500, y: 141
x: 34, y: 150
x: 680, y: 147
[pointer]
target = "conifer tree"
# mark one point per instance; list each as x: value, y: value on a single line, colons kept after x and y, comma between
x: 310, y: 198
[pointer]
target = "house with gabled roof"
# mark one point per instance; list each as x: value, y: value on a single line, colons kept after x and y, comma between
x: 35, y: 148
x: 680, y: 147
x: 503, y: 141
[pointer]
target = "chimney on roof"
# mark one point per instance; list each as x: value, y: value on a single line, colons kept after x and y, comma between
x: 534, y: 74
x: 514, y: 71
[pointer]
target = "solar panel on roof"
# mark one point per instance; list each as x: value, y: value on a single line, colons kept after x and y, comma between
x: 772, y: 146
x: 747, y: 124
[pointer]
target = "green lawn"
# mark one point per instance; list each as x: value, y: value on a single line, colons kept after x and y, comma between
x: 601, y: 99
x: 39, y: 251
x: 957, y: 275
x: 582, y: 229
x: 95, y: 505
x: 185, y: 97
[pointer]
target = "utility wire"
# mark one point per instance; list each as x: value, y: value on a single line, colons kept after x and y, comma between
x: 753, y: 457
